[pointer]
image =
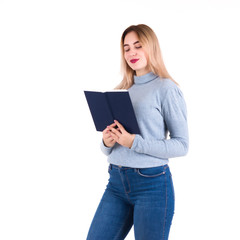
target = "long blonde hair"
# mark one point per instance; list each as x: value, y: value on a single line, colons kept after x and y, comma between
x: 150, y: 43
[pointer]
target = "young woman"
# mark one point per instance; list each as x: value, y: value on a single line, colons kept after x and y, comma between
x: 140, y: 189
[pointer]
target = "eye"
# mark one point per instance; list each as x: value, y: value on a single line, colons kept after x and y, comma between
x: 138, y: 47
x: 126, y: 49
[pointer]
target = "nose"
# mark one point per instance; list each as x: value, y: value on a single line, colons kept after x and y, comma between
x: 132, y: 53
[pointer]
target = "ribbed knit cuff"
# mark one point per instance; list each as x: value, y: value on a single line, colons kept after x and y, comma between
x: 106, y: 150
x: 136, y: 141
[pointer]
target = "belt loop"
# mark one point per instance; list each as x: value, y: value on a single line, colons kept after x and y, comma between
x: 165, y: 167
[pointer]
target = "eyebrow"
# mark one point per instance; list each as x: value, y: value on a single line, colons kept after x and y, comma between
x: 128, y: 44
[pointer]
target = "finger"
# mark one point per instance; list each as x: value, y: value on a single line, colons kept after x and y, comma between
x: 114, y: 137
x: 105, y: 130
x: 115, y: 131
x: 108, y: 137
x: 113, y: 140
x: 120, y: 126
x: 112, y: 125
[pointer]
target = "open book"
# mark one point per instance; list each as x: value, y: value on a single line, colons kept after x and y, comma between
x: 105, y: 107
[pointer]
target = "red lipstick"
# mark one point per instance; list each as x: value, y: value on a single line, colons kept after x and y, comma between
x: 134, y: 60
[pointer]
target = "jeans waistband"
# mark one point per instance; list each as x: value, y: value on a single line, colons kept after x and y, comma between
x: 126, y: 168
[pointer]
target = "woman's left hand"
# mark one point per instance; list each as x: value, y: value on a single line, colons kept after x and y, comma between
x: 121, y: 136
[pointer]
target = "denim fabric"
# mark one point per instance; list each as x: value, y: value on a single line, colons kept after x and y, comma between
x: 143, y: 197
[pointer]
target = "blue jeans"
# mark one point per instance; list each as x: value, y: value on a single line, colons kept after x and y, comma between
x: 141, y: 197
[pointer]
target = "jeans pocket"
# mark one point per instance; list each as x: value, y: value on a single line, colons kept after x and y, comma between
x: 151, y: 172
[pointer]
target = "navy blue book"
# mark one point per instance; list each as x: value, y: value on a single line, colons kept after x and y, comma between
x: 105, y: 107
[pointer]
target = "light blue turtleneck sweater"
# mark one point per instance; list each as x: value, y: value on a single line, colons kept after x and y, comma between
x: 160, y: 109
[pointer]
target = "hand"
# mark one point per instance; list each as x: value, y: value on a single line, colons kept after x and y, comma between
x: 107, y: 138
x: 120, y: 135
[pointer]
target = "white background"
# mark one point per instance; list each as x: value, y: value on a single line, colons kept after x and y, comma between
x: 52, y: 173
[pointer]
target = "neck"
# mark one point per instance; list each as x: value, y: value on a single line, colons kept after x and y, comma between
x: 142, y: 72
x: 144, y: 78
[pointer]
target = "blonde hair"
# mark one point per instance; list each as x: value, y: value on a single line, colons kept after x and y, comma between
x: 150, y: 44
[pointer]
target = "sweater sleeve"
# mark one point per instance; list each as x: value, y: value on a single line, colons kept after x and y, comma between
x: 106, y: 150
x: 175, y: 116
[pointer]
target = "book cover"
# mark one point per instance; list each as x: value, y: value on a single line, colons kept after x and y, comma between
x: 105, y: 107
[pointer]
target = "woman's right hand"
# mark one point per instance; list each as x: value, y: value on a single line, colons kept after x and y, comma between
x: 107, y: 138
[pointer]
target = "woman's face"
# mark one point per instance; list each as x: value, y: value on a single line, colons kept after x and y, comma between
x: 134, y: 54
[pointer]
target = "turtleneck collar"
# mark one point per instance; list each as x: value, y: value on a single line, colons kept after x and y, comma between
x: 144, y: 78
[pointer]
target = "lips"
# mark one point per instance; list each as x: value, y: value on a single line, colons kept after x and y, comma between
x: 134, y: 60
